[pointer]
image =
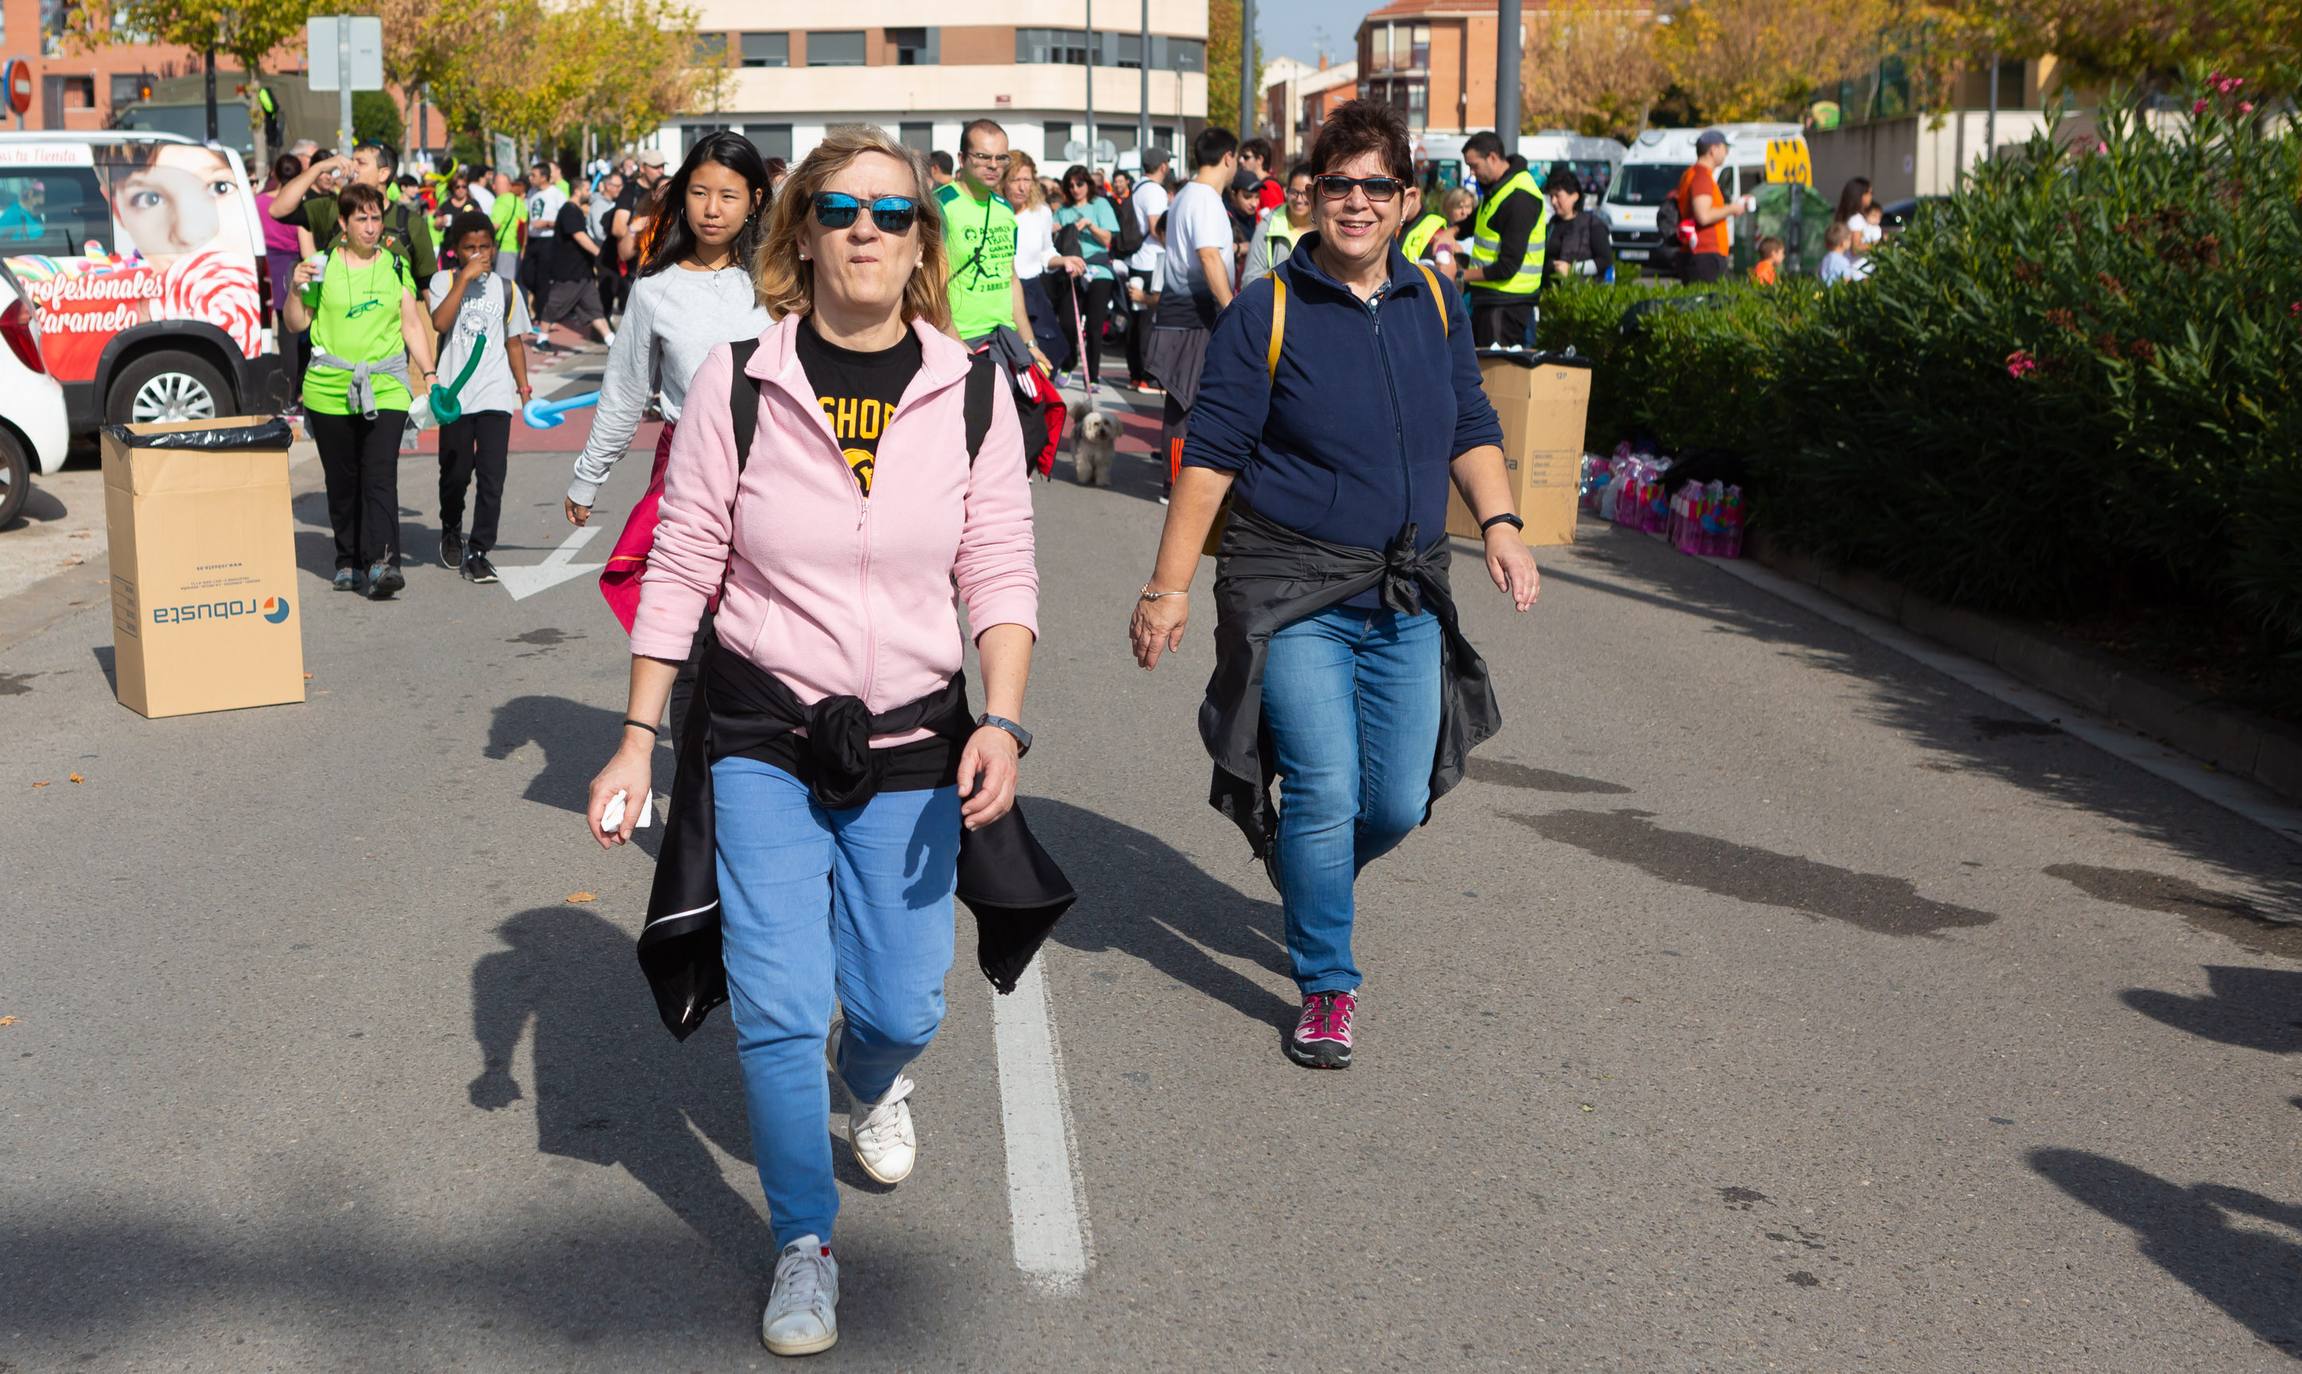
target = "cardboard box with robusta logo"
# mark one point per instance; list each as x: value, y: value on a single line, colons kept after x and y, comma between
x: 203, y: 551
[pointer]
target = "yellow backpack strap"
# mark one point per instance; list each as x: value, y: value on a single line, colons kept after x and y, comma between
x: 1278, y: 326
x: 1438, y: 299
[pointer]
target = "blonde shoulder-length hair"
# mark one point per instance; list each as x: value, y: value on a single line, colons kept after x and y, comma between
x: 786, y: 285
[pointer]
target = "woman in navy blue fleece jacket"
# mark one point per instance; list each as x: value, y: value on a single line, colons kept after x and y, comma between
x: 1336, y: 635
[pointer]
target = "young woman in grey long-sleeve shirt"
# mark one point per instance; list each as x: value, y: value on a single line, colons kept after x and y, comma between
x: 693, y: 292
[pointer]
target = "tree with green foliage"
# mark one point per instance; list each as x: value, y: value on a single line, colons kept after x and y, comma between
x: 1225, y: 72
x: 247, y: 31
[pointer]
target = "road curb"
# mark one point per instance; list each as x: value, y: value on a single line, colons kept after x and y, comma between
x: 2232, y: 739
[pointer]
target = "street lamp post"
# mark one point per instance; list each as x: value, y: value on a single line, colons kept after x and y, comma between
x: 1507, y: 75
x: 1143, y: 101
x: 1090, y: 83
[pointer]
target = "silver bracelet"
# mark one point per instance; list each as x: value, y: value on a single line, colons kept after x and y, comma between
x: 1150, y: 595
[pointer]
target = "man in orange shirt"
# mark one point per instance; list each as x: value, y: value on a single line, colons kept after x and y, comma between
x: 1701, y: 205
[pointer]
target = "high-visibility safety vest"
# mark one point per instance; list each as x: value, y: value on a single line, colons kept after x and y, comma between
x: 1281, y: 236
x: 1420, y: 234
x: 1487, y: 246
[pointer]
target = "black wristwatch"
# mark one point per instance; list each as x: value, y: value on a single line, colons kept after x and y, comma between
x: 1022, y: 736
x: 1506, y: 518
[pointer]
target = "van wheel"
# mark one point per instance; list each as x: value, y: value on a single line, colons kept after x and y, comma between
x: 15, y: 478
x: 166, y: 386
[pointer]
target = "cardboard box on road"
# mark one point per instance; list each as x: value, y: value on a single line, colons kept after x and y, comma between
x: 203, y: 565
x: 1542, y: 404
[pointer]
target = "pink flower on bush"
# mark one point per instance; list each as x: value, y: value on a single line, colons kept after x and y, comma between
x: 2198, y: 108
x: 2020, y: 364
x: 2101, y: 146
x: 2245, y: 107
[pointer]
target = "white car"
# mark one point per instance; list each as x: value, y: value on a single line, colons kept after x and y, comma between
x: 33, y: 430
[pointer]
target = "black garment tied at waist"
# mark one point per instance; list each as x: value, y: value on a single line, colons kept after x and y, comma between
x: 1268, y: 576
x: 1013, y: 886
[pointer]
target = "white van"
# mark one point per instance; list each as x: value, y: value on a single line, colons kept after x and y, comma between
x: 145, y: 258
x: 1651, y: 173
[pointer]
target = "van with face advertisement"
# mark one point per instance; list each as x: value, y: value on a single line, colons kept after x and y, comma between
x: 144, y: 256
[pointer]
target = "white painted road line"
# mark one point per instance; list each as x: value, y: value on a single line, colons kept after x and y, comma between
x: 1045, y: 1201
x: 2255, y: 803
x: 558, y: 566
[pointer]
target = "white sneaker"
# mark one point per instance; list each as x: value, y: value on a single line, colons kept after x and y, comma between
x: 801, y: 1316
x: 880, y: 1133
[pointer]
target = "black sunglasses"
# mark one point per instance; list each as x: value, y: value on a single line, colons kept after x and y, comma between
x: 893, y: 214
x: 1377, y: 188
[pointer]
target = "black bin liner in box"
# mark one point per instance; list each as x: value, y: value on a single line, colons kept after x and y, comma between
x: 271, y: 433
x: 1537, y: 357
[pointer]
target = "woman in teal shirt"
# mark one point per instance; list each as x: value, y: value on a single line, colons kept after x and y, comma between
x: 371, y: 352
x: 1098, y: 226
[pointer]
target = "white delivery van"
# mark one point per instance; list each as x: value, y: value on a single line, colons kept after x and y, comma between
x: 1651, y: 172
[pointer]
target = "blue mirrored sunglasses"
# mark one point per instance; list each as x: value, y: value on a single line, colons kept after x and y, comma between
x: 893, y: 214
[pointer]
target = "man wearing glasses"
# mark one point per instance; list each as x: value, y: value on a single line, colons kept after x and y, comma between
x: 979, y: 236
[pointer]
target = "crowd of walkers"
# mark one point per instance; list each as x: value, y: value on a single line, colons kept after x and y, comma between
x: 841, y: 474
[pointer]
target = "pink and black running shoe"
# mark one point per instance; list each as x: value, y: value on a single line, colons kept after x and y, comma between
x: 1322, y: 1035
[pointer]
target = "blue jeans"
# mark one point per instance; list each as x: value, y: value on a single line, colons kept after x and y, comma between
x: 812, y: 903
x: 1352, y: 701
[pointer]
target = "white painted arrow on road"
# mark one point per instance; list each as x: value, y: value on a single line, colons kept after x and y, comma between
x: 558, y: 566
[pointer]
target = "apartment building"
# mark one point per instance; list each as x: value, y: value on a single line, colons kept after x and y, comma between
x: 83, y: 89
x: 1298, y: 97
x: 923, y: 69
x: 1433, y: 61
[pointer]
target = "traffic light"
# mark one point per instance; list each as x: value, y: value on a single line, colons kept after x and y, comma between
x: 270, y: 105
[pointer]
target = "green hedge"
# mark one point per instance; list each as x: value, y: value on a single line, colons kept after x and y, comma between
x: 2063, y: 391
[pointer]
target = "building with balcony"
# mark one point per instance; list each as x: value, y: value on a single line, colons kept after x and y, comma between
x: 1433, y: 61
x: 922, y: 70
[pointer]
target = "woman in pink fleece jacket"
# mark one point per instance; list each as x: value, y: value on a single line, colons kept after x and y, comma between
x: 843, y: 764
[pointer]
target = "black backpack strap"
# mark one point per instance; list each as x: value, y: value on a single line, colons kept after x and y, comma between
x: 982, y: 375
x: 743, y: 400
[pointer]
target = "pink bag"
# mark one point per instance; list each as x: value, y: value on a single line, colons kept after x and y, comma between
x: 619, y: 581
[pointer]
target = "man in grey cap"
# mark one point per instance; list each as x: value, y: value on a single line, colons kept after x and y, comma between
x: 1701, y: 205
x: 1148, y: 202
x: 638, y: 190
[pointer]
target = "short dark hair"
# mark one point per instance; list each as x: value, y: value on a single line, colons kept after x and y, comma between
x: 1486, y: 143
x: 287, y: 167
x: 358, y: 196
x: 1213, y: 144
x: 1257, y: 148
x: 940, y: 161
x: 390, y: 154
x: 1769, y: 246
x: 468, y: 223
x: 1364, y: 126
x: 979, y: 126
x: 1563, y: 178
x: 1300, y: 169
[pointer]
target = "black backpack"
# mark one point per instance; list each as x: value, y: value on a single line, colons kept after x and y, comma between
x: 743, y: 403
x: 1129, y: 239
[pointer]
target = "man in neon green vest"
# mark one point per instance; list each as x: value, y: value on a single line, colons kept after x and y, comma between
x: 1506, y: 244
x: 1423, y: 224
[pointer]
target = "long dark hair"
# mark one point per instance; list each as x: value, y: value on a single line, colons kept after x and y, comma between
x: 673, y: 239
x: 1850, y: 199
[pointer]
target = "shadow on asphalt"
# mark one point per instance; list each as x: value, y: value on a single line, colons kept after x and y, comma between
x: 2255, y: 1008
x: 1937, y: 713
x: 1140, y: 896
x: 2254, y: 1277
x: 316, y: 539
x: 576, y: 740
x: 41, y: 505
x: 612, y: 1087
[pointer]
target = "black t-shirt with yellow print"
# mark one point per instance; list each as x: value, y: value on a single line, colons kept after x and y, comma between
x: 858, y: 392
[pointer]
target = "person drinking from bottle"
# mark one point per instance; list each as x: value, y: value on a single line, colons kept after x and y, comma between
x: 844, y: 546
x: 483, y: 327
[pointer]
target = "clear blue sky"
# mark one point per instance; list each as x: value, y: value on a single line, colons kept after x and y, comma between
x: 1300, y: 28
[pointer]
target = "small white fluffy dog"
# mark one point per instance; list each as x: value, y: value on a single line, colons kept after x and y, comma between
x: 1091, y: 451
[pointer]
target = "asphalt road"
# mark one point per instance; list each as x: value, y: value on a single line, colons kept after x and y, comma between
x: 1764, y: 1001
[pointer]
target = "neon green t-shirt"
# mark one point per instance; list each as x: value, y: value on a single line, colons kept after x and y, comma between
x: 509, y: 212
x: 356, y: 317
x: 980, y: 237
